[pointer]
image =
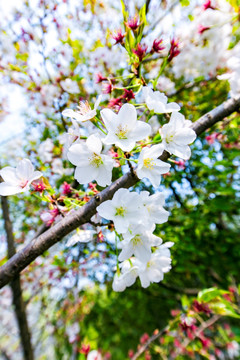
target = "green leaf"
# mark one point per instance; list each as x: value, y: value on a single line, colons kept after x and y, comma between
x: 208, y: 295
x: 184, y: 2
x: 224, y: 308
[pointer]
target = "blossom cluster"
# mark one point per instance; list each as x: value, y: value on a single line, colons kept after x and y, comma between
x: 134, y: 215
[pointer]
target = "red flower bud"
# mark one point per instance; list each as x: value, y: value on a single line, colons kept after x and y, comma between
x: 157, y: 47
x: 118, y: 36
x: 140, y: 51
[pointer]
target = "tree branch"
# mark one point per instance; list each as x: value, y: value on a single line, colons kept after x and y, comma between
x: 15, y: 284
x: 50, y: 237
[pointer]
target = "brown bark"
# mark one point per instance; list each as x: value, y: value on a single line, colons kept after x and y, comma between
x: 15, y: 284
x: 50, y: 237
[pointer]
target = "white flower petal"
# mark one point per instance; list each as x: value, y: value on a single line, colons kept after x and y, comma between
x: 127, y: 115
x: 94, y: 144
x: 24, y: 169
x: 8, y: 174
x: 6, y: 189
x: 141, y: 131
x: 85, y: 174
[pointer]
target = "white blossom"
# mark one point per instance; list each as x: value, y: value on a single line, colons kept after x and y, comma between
x: 57, y: 167
x: 124, y: 209
x: 127, y: 277
x: 18, y: 180
x: 176, y: 135
x: 149, y: 166
x: 70, y: 86
x: 157, y: 101
x: 81, y: 236
x: 45, y: 150
x: 233, y: 350
x: 123, y: 128
x: 94, y: 355
x: 154, y: 205
x: 139, y: 245
x: 91, y: 164
x: 159, y: 263
x: 84, y: 111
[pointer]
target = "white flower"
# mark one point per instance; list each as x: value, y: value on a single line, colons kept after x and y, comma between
x: 157, y: 101
x: 129, y: 273
x: 154, y: 205
x: 124, y: 209
x: 176, y: 135
x: 233, y: 349
x: 91, y: 164
x: 123, y: 128
x: 149, y: 166
x: 45, y: 150
x: 84, y: 111
x: 18, y: 180
x: 70, y: 86
x: 159, y: 263
x: 139, y: 245
x: 72, y: 331
x: 57, y: 167
x: 94, y: 355
x: 72, y: 136
x: 81, y: 236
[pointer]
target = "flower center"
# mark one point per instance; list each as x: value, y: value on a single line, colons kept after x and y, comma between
x: 83, y: 108
x: 149, y: 163
x: 23, y: 183
x: 122, y: 132
x: 136, y: 240
x: 150, y: 263
x: 121, y: 211
x: 96, y: 160
x: 169, y: 138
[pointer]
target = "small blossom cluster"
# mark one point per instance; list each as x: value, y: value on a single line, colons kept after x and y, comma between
x: 233, y: 76
x: 134, y: 215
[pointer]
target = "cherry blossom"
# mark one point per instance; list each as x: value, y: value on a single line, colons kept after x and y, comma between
x: 70, y: 86
x: 94, y: 355
x: 176, y: 135
x: 157, y: 101
x: 91, y: 164
x: 128, y: 275
x: 18, y: 180
x: 150, y: 167
x: 154, y: 205
x: 138, y: 245
x: 124, y: 209
x: 159, y: 263
x: 81, y: 236
x: 84, y: 111
x: 123, y: 128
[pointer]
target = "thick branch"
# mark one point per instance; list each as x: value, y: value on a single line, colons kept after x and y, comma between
x: 50, y: 237
x: 18, y: 303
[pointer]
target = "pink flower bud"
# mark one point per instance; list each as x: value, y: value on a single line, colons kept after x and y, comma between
x: 133, y: 23
x: 157, y: 47
x: 174, y: 49
x: 140, y: 51
x: 118, y: 36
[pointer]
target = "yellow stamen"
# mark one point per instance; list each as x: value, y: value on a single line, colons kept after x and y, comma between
x: 149, y: 163
x: 96, y: 160
x: 122, y: 132
x: 83, y: 108
x: 121, y: 211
